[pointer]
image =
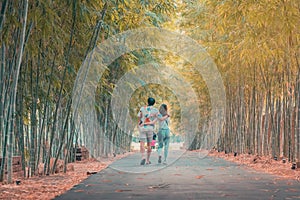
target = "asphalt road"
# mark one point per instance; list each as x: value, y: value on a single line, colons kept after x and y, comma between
x: 188, y: 175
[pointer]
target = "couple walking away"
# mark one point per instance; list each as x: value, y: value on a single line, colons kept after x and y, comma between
x: 148, y: 116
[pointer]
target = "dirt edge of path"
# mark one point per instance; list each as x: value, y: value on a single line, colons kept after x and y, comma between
x: 265, y: 164
x: 49, y: 187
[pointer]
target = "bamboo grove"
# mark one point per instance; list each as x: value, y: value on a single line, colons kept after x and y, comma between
x: 43, y: 44
x: 256, y: 47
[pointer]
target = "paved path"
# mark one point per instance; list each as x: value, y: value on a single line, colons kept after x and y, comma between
x: 188, y: 177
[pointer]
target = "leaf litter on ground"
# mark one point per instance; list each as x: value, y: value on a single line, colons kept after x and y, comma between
x: 48, y: 187
x: 261, y: 163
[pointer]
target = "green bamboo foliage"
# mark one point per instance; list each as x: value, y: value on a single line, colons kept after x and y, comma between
x: 43, y: 44
x: 42, y: 47
x: 256, y: 46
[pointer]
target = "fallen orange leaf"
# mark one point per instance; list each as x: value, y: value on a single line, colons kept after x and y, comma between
x: 177, y: 174
x: 106, y: 181
x: 199, y: 177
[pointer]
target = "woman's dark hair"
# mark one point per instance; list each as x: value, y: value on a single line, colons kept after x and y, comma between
x: 151, y: 101
x: 163, y: 110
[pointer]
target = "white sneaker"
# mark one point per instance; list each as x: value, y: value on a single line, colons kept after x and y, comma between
x: 165, y: 162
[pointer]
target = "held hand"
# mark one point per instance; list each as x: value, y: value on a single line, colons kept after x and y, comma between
x: 153, y: 115
x: 149, y: 123
x: 166, y: 116
x: 140, y: 123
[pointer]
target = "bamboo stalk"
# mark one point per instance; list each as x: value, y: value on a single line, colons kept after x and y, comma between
x: 62, y: 139
x: 2, y: 15
x: 14, y: 92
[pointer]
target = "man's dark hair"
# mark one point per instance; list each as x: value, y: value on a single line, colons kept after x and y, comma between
x: 151, y: 101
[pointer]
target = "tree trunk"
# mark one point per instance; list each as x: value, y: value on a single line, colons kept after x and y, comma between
x: 14, y: 93
x: 2, y: 15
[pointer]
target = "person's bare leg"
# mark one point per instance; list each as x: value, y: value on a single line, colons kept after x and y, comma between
x: 148, y: 151
x: 142, y: 149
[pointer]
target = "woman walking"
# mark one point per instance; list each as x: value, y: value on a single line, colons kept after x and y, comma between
x: 163, y: 133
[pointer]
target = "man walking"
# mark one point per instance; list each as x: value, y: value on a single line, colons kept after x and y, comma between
x: 146, y: 114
